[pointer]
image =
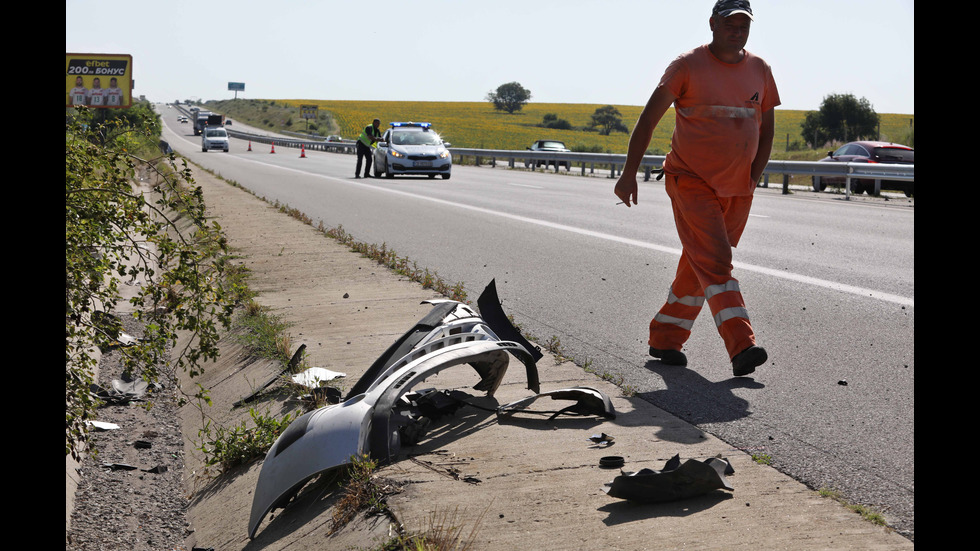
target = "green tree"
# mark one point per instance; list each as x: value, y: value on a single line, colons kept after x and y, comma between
x: 842, y: 117
x: 509, y: 97
x: 608, y: 119
x: 551, y: 120
x: 159, y: 237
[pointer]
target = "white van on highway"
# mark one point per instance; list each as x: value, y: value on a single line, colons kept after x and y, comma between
x: 214, y: 137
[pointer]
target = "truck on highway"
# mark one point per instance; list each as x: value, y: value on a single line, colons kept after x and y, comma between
x: 206, y: 119
x: 200, y: 121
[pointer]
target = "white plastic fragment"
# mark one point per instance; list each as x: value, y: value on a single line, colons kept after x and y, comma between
x: 315, y: 376
x: 102, y: 425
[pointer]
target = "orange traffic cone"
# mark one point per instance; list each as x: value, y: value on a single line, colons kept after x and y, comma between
x: 273, y: 147
x: 302, y: 151
x: 250, y: 145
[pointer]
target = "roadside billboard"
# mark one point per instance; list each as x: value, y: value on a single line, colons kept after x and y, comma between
x: 308, y: 111
x: 99, y: 80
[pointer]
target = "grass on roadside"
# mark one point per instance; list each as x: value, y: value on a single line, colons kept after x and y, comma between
x: 400, y: 265
x: 227, y: 448
x: 443, y: 532
x: 868, y: 513
x: 365, y: 492
x: 263, y: 333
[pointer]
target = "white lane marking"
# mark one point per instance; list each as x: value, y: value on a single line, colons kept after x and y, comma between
x: 789, y: 276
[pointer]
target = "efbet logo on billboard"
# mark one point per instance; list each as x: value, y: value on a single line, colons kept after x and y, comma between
x: 99, y: 80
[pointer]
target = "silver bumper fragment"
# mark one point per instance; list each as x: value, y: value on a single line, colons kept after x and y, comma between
x: 451, y: 334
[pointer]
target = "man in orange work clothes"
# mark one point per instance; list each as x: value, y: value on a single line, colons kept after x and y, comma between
x: 724, y: 98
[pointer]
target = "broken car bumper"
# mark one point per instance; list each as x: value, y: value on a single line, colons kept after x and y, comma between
x: 451, y: 334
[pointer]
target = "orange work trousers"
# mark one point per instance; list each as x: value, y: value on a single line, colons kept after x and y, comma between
x: 708, y: 227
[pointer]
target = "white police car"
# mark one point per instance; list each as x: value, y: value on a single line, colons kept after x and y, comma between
x: 412, y: 148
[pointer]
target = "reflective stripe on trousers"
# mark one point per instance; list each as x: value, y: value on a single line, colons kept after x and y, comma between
x: 697, y: 302
x: 708, y: 227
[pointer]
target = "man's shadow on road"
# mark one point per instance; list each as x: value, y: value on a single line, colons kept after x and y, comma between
x: 696, y: 400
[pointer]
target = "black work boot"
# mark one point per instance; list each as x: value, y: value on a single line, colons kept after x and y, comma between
x: 747, y: 360
x: 669, y: 357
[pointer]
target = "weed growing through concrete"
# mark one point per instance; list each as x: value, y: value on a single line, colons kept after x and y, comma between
x: 361, y: 493
x: 227, y: 448
x: 443, y: 532
x: 263, y: 333
x: 762, y: 458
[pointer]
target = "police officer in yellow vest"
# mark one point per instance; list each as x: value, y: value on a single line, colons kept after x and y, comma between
x: 365, y: 143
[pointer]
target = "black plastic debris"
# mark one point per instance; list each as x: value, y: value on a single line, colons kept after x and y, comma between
x: 587, y: 401
x: 602, y: 440
x: 293, y: 362
x: 611, y: 462
x: 434, y: 403
x: 675, y: 482
x: 118, y: 467
x: 326, y: 394
x: 418, y: 410
x: 492, y: 312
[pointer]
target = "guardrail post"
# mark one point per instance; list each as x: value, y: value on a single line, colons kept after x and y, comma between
x: 646, y: 174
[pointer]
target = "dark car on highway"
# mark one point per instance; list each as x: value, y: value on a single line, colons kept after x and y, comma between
x: 868, y: 152
x: 548, y: 145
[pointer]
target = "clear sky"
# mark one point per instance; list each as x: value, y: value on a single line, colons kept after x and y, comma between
x: 563, y: 51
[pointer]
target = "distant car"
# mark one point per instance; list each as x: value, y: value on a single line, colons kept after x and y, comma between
x: 548, y: 145
x: 868, y: 152
x: 182, y: 119
x: 334, y: 138
x: 412, y: 148
x: 214, y: 138
x: 227, y: 122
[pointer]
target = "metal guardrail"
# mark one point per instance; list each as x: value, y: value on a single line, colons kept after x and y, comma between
x: 614, y: 162
x: 346, y: 146
x: 650, y: 163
